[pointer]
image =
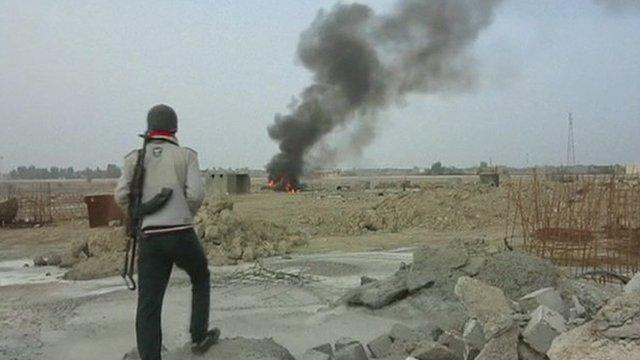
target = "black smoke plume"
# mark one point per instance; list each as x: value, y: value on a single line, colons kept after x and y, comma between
x: 363, y: 62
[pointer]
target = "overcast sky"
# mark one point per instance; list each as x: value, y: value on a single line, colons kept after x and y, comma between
x: 77, y: 78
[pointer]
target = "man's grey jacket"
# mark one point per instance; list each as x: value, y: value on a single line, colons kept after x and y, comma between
x: 167, y: 165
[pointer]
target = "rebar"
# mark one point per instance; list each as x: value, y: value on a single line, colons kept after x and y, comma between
x: 588, y: 224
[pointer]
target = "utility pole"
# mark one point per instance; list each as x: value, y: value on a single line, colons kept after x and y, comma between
x: 571, y: 147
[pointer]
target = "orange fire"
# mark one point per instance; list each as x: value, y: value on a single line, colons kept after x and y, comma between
x: 282, y: 183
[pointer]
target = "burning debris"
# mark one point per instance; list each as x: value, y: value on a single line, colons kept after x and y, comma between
x: 282, y: 183
x: 363, y: 62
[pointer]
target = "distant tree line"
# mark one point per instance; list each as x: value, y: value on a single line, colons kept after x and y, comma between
x: 34, y: 173
x: 438, y: 169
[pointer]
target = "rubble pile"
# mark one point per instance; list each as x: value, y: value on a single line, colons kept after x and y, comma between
x: 613, y: 334
x: 505, y: 305
x: 229, y: 239
x: 466, y: 207
x: 99, y: 255
x: 452, y: 207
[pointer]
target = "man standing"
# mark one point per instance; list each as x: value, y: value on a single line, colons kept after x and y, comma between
x: 168, y: 236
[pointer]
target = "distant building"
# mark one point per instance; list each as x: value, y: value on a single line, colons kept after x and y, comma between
x: 324, y: 173
x: 632, y: 169
x: 228, y: 183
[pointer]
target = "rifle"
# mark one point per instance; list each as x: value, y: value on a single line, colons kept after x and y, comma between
x: 137, y: 211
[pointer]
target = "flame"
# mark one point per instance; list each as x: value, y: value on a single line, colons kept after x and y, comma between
x: 282, y: 183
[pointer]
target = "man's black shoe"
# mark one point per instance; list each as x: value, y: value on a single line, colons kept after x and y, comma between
x: 209, y: 340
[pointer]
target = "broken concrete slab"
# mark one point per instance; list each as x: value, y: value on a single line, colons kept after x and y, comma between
x: 544, y: 326
x: 380, y: 346
x: 633, y: 286
x: 402, y: 348
x: 396, y: 357
x: 583, y: 343
x: 428, y: 330
x: 351, y: 352
x: 315, y: 355
x: 474, y: 265
x: 577, y: 310
x: 473, y: 334
x: 417, y: 280
x: 502, y: 347
x: 440, y: 260
x: 454, y: 342
x: 324, y: 348
x: 471, y: 354
x: 548, y: 297
x: 431, y: 350
x: 525, y: 352
x: 486, y: 303
x: 378, y: 294
x: 592, y: 297
x: 620, y: 318
x: 235, y: 349
x: 518, y: 273
x: 402, y: 333
x: 344, y: 342
x: 438, y: 305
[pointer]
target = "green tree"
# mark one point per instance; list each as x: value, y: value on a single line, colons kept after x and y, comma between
x: 437, y: 168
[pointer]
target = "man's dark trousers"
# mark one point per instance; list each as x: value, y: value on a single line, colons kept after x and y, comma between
x: 157, y: 255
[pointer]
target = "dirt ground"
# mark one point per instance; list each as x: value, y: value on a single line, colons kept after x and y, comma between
x: 39, y: 319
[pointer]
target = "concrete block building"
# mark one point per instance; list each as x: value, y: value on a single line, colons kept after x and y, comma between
x: 228, y: 183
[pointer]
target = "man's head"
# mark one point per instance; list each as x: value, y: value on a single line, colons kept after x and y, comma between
x: 162, y: 117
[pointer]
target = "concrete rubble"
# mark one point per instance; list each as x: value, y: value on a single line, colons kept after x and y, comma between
x: 229, y: 239
x: 544, y: 326
x: 47, y: 260
x: 582, y: 343
x: 620, y: 318
x: 562, y: 319
x: 525, y: 352
x: 545, y: 319
x: 614, y: 333
x: 487, y: 304
x: 518, y: 273
x: 590, y: 296
x: 503, y: 346
x: 633, y: 286
x: 473, y: 337
x: 548, y: 297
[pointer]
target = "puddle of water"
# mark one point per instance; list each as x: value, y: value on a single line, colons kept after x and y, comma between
x: 14, y: 272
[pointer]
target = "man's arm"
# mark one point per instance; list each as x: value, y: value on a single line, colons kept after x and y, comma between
x: 194, y: 188
x: 123, y: 189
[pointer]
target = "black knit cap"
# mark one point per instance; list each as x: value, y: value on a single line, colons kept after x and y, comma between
x: 162, y: 117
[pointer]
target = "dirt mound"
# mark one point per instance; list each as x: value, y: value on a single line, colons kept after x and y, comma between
x: 229, y: 238
x: 459, y: 207
x: 99, y: 255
